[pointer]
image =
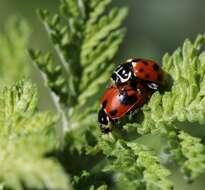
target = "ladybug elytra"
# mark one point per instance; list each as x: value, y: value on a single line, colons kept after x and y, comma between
x: 139, y: 69
x: 119, y: 100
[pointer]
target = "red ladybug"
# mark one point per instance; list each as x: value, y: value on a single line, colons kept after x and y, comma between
x: 139, y: 69
x: 119, y: 100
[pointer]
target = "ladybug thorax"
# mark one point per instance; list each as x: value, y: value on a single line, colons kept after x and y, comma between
x: 134, y: 64
x: 122, y: 73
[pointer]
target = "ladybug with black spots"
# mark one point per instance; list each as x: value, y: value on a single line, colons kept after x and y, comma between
x: 118, y: 101
x: 139, y: 69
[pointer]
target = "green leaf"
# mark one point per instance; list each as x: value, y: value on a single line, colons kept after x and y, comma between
x: 183, y: 102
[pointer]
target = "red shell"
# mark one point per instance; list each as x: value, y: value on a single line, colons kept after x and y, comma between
x: 147, y: 70
x: 117, y: 101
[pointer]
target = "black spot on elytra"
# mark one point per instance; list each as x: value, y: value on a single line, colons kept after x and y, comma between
x: 125, y: 99
x: 113, y: 112
x: 156, y: 67
x: 147, y: 76
x: 104, y: 103
x: 159, y: 77
x: 141, y: 70
x: 145, y: 63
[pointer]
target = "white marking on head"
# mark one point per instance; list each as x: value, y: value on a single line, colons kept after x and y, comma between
x: 128, y: 60
x: 134, y: 64
x: 123, y: 80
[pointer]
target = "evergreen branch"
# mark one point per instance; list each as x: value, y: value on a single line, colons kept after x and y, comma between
x: 55, y: 80
x: 102, y: 187
x: 184, y: 102
x: 194, y: 152
x: 104, y: 52
x: 104, y: 26
x: 86, y: 41
x: 65, y: 47
x: 17, y: 100
x: 98, y: 8
x: 26, y: 137
x: 188, y: 151
x: 54, y: 32
x: 136, y: 163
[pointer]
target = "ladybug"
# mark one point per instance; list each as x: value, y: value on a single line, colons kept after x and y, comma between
x: 139, y: 69
x: 118, y: 101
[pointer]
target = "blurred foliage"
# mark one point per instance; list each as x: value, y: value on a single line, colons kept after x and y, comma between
x: 13, y: 43
x: 27, y: 137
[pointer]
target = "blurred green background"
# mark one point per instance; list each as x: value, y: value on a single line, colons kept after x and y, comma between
x: 153, y: 28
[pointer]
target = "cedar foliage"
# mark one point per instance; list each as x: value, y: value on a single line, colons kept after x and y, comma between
x: 86, y: 35
x: 28, y: 136
x: 86, y: 46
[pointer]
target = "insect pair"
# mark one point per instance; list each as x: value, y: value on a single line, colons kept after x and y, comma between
x: 133, y: 83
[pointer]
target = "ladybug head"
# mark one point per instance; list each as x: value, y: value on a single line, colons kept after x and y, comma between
x: 122, y: 73
x: 103, y: 120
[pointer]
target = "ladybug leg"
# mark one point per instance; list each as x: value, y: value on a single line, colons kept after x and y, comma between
x: 103, y: 120
x: 132, y: 113
x: 116, y: 124
x: 104, y: 129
